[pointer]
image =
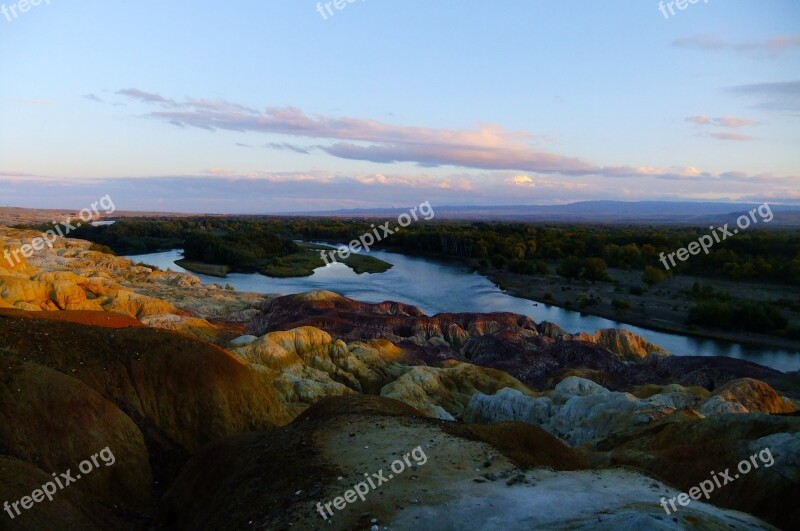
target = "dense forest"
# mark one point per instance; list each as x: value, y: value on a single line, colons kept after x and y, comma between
x: 580, y: 251
x: 759, y: 255
x: 229, y: 241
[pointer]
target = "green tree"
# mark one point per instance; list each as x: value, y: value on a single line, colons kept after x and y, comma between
x: 499, y: 261
x: 653, y: 275
x: 531, y: 248
x: 594, y: 269
x: 570, y: 267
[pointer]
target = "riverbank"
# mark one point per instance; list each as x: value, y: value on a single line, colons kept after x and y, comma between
x: 663, y: 307
x: 450, y: 286
x: 212, y: 270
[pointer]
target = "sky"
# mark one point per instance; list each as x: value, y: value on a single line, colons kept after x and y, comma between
x: 288, y: 105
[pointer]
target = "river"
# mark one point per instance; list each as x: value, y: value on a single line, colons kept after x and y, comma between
x: 438, y: 287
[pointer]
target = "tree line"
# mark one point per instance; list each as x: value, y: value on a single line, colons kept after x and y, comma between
x: 580, y: 251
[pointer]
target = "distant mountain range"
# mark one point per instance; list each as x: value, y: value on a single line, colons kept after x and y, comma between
x: 609, y: 212
x: 641, y: 212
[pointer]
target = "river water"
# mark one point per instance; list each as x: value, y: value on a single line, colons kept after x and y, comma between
x: 438, y: 287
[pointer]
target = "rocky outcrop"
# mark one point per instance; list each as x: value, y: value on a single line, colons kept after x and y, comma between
x: 624, y: 343
x: 509, y: 405
x: 577, y: 410
x: 72, y: 277
x: 510, y: 476
x: 189, y: 391
x: 98, y: 361
x: 551, y: 330
x: 445, y: 392
x: 63, y: 290
x: 436, y: 338
x: 754, y: 396
x: 56, y: 421
x: 537, y: 355
x: 153, y: 397
x: 192, y: 326
x: 70, y: 509
x: 580, y: 411
x: 308, y: 365
x: 13, y: 264
x: 684, y: 450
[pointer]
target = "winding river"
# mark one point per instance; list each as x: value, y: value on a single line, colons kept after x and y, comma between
x: 437, y: 287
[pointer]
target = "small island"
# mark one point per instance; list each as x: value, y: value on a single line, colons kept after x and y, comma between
x: 217, y: 246
x: 308, y: 258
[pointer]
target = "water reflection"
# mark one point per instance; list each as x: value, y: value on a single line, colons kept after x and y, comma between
x: 437, y: 287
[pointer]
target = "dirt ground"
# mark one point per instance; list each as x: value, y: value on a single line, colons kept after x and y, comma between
x: 664, y: 306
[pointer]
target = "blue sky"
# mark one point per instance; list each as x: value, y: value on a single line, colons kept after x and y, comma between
x: 266, y: 106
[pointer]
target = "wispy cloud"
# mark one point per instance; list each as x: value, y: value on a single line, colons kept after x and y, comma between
x: 520, y: 180
x: 146, y: 97
x: 229, y: 190
x: 780, y: 96
x: 16, y: 174
x: 92, y: 97
x: 285, y: 146
x: 39, y: 102
x: 724, y: 121
x: 526, y: 181
x: 488, y: 157
x: 487, y: 147
x: 770, y: 47
x: 726, y: 135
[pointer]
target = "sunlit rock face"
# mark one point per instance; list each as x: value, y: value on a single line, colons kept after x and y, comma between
x: 445, y: 392
x: 309, y: 364
x: 539, y: 355
x: 624, y: 343
x: 754, y: 396
x: 70, y: 276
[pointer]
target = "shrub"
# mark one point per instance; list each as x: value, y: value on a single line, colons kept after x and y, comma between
x: 588, y: 300
x: 749, y: 315
x: 705, y: 291
x: 520, y: 267
x: 595, y: 269
x: 570, y: 267
x: 100, y: 248
x: 541, y: 267
x: 653, y: 275
x: 149, y: 266
x: 499, y: 261
x: 621, y: 304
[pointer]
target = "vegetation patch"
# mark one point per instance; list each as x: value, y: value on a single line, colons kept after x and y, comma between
x: 201, y: 268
